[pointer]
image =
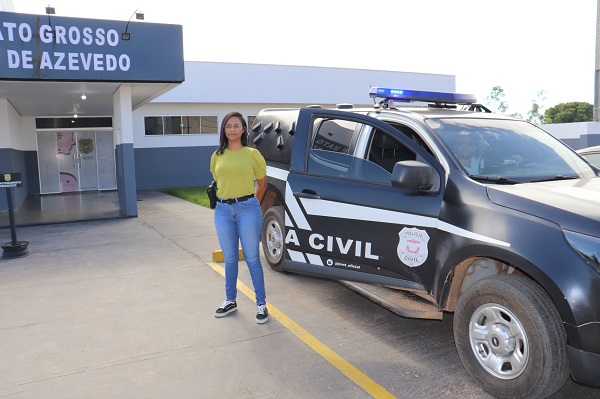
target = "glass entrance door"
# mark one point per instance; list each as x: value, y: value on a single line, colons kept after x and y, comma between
x: 72, y: 161
x: 87, y: 160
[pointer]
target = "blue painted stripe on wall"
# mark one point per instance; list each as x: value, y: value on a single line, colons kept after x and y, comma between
x: 588, y: 140
x: 126, y: 183
x: 157, y: 168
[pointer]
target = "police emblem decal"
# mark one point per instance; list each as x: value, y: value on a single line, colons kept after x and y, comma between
x: 412, y: 248
x: 86, y: 146
x: 7, y: 177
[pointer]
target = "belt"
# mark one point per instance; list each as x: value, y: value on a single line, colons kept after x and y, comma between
x: 234, y: 200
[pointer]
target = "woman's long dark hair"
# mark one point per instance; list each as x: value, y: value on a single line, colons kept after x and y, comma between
x: 223, y: 140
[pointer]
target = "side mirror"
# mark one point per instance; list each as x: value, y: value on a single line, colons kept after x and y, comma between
x: 412, y: 175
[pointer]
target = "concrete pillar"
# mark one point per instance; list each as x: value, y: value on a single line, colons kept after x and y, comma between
x: 124, y: 155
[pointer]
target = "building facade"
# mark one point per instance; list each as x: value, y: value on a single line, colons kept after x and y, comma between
x: 94, y: 105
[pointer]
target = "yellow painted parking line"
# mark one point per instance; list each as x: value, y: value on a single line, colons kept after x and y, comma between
x: 354, y: 374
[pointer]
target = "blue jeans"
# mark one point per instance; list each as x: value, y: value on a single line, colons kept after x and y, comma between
x: 235, y: 223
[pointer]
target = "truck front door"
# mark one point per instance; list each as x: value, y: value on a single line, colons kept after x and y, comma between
x: 345, y: 220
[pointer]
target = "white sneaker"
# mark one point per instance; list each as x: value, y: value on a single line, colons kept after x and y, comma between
x: 226, y: 308
x: 262, y: 314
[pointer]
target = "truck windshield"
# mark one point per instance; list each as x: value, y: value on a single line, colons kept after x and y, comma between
x: 508, y: 149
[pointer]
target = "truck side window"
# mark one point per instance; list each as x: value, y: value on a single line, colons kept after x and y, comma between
x: 335, y: 164
x: 332, y: 152
x: 385, y: 151
x: 411, y: 134
x: 333, y: 135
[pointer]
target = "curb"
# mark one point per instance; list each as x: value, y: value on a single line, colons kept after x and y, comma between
x: 217, y: 255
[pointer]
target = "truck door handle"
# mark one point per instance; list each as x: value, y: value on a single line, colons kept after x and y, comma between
x: 307, y: 194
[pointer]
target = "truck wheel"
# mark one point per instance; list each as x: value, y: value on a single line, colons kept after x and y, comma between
x: 273, y: 230
x: 509, y: 337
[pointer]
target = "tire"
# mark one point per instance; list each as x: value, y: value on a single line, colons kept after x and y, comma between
x: 509, y: 337
x: 273, y: 237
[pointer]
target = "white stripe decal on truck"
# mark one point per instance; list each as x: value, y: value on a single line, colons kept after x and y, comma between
x: 357, y: 212
x: 288, y: 220
x: 314, y: 259
x: 296, y: 256
x: 276, y: 173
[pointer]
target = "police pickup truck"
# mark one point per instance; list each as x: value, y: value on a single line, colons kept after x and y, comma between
x: 445, y: 207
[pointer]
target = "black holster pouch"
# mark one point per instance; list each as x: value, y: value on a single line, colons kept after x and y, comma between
x: 211, y: 190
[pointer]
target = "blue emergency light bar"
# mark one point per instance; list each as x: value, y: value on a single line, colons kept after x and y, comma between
x: 424, y: 96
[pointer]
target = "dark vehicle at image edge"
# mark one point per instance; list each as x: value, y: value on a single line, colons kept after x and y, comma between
x: 445, y: 207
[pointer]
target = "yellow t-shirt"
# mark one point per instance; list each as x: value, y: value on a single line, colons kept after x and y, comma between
x: 234, y: 171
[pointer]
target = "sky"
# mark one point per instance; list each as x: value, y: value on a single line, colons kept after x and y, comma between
x: 523, y: 46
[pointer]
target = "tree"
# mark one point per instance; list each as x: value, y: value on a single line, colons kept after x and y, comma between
x: 495, y: 101
x: 569, y: 112
x: 534, y: 115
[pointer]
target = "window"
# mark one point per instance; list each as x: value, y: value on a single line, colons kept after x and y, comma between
x: 334, y: 135
x: 336, y: 164
x: 360, y: 152
x: 162, y: 125
x: 209, y: 124
x: 385, y: 151
x: 411, y: 134
x: 511, y: 149
x: 332, y: 153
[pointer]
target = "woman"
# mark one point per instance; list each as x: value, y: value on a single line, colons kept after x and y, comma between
x: 238, y: 217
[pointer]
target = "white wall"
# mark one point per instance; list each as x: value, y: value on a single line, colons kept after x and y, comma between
x: 11, y: 129
x: 28, y: 134
x: 578, y: 134
x: 572, y: 130
x: 215, y: 82
x: 5, y: 138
